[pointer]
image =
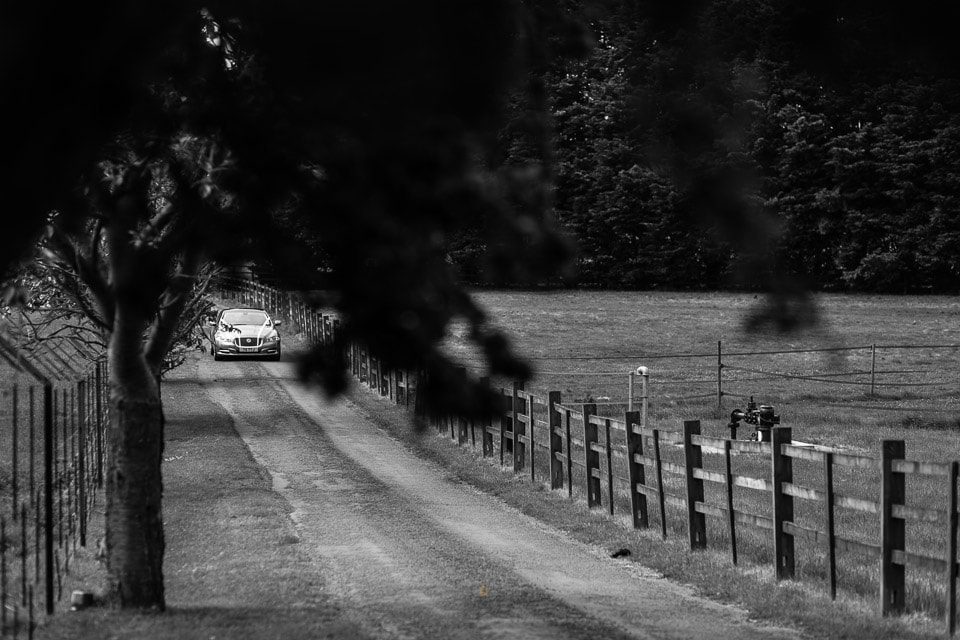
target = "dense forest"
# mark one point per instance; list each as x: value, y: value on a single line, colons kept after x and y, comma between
x: 837, y: 124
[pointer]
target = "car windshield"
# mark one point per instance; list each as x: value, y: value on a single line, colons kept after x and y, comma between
x: 238, y: 316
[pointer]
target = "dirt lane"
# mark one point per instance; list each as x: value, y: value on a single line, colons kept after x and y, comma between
x: 410, y: 554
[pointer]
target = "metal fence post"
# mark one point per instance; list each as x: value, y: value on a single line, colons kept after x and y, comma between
x: 82, y: 459
x: 15, y: 466
x: 48, y: 435
x: 719, y: 374
x: 99, y: 439
x: 952, y: 550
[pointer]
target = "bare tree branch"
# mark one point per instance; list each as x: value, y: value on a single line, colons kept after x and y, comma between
x: 87, y: 270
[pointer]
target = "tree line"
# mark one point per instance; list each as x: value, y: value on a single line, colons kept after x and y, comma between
x: 837, y: 124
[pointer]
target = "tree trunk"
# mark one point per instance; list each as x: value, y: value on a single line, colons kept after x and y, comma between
x: 134, y: 488
x: 135, y: 542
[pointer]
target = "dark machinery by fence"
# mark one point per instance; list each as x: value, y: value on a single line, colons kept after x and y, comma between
x: 762, y: 417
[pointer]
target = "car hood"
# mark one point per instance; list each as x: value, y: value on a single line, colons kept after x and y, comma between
x: 248, y: 331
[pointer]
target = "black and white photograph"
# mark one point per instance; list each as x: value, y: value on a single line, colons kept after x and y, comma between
x: 480, y: 319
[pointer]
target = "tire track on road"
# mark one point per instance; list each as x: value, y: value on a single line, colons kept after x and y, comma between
x: 419, y: 556
x: 398, y: 572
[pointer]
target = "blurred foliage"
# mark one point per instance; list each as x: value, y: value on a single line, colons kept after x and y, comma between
x: 388, y: 152
x: 339, y: 145
x: 758, y: 144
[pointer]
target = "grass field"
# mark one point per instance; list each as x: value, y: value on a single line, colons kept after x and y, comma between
x: 584, y: 343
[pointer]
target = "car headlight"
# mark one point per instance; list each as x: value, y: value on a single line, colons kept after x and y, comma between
x: 225, y: 338
x: 271, y: 338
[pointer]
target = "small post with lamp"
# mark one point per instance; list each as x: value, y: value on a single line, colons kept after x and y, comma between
x: 644, y: 374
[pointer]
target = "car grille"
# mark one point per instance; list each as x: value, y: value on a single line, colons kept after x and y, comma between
x: 248, y: 342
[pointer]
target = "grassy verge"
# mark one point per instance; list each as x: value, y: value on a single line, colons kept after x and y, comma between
x: 232, y: 567
x: 752, y: 586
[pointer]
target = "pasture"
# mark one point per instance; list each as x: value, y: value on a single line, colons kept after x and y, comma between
x: 584, y: 343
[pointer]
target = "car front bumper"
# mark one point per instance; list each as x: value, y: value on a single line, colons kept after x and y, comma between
x: 271, y: 349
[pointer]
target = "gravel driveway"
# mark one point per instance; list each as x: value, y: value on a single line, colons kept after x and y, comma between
x: 407, y: 552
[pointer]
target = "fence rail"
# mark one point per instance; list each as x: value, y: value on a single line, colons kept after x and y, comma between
x: 740, y: 373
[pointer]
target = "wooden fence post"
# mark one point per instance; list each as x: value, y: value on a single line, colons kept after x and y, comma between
x: 419, y: 402
x: 517, y: 409
x: 828, y: 511
x: 591, y: 437
x: 693, y: 459
x: 531, y: 439
x: 369, y: 360
x: 504, y: 427
x: 638, y: 501
x: 661, y: 498
x: 486, y: 437
x: 608, y: 445
x: 458, y: 426
x: 782, y: 467
x: 569, y: 446
x: 556, y: 440
x: 892, y: 530
x: 731, y: 514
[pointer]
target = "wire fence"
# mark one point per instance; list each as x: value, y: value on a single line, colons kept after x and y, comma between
x: 901, y: 378
x: 53, y: 415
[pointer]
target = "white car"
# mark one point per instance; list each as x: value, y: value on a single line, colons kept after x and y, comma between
x: 245, y: 332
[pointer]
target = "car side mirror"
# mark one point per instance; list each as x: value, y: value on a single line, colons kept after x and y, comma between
x: 277, y: 323
x: 212, y: 323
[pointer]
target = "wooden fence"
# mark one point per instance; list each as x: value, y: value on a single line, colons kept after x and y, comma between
x: 582, y: 448
x: 608, y: 456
